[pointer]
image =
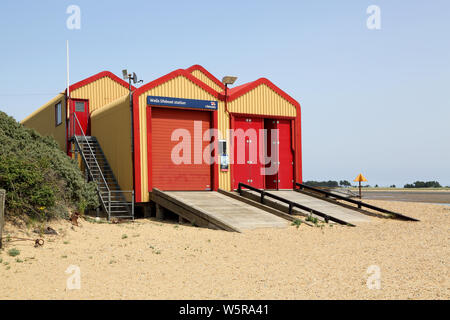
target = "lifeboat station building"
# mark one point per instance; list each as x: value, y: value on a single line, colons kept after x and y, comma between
x: 185, y: 133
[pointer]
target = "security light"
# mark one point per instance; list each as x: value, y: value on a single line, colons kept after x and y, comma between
x: 125, y: 74
x: 228, y: 80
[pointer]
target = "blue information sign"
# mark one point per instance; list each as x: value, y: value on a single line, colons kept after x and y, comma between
x: 181, y: 103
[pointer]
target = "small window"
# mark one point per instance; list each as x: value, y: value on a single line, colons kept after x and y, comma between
x: 79, y: 106
x: 58, y: 114
x: 222, y: 147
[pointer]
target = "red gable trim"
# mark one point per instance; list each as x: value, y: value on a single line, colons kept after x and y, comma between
x: 242, y: 89
x: 172, y: 75
x: 97, y: 76
x: 206, y: 73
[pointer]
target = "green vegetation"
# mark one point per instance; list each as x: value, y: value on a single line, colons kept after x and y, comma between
x: 40, y: 180
x: 312, y: 219
x: 124, y: 236
x: 328, y: 184
x: 13, y: 252
x: 297, y: 223
x: 423, y: 184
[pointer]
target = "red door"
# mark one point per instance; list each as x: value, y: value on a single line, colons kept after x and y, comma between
x: 272, y: 151
x: 80, y: 122
x: 247, y: 167
x: 285, y: 155
x: 280, y: 170
x: 175, y: 167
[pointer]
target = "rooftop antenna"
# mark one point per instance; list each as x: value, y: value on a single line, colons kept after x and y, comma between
x: 130, y: 77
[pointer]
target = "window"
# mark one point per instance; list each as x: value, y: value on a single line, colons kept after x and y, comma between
x: 222, y: 147
x: 58, y: 114
x: 79, y: 106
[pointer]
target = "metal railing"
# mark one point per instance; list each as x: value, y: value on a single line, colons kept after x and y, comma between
x: 120, y: 204
x: 91, y: 153
x: 360, y: 204
x: 290, y: 203
x: 108, y: 206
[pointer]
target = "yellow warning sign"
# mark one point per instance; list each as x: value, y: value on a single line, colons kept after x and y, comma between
x: 360, y: 178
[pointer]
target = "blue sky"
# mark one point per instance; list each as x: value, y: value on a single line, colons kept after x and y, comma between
x: 373, y: 101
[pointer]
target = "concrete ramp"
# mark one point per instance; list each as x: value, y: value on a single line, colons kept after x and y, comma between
x: 216, y: 210
x: 346, y: 215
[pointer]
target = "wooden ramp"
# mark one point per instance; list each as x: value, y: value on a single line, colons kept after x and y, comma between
x: 216, y: 210
x: 346, y: 215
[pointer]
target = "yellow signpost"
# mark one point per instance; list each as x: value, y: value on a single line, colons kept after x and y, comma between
x: 360, y: 178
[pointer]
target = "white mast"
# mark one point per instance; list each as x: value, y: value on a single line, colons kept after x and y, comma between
x: 67, y: 57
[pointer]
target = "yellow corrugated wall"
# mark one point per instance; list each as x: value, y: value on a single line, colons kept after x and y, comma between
x: 43, y: 121
x: 202, y: 77
x: 262, y: 100
x: 224, y: 126
x: 111, y: 125
x: 179, y: 87
x: 100, y: 92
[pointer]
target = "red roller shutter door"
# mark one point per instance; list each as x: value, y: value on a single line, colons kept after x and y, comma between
x: 166, y: 175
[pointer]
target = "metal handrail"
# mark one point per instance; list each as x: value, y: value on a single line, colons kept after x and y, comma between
x: 108, y: 208
x: 291, y: 204
x: 358, y: 203
x: 92, y: 152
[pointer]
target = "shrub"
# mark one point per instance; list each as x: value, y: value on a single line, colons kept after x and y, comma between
x: 40, y: 180
x: 328, y: 184
x: 312, y: 219
x: 422, y: 184
x: 13, y: 252
x: 297, y: 223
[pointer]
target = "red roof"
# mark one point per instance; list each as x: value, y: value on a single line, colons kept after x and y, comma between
x: 174, y: 74
x: 206, y: 73
x: 238, y: 91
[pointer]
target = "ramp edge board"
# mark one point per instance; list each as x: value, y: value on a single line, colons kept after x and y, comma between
x: 279, y: 208
x: 190, y: 212
x: 261, y: 206
x: 357, y: 202
x: 333, y: 201
x: 292, y: 204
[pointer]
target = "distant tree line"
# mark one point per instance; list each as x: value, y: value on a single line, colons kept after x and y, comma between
x: 328, y: 184
x: 423, y: 184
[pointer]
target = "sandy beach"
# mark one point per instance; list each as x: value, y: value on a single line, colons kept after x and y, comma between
x: 148, y: 259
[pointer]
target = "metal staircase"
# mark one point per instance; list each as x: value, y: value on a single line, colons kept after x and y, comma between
x: 115, y: 202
